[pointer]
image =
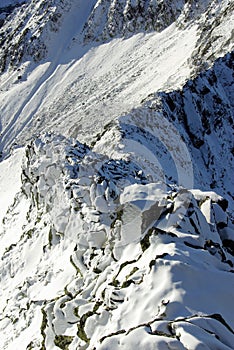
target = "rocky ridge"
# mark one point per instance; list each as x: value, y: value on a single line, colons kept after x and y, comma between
x: 27, y: 30
x: 98, y: 237
x: 120, y: 232
x: 24, y: 29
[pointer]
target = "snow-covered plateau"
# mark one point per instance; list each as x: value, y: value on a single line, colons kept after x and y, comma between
x: 116, y: 175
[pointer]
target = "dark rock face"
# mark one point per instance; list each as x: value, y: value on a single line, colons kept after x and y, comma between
x: 125, y: 17
x: 205, y: 109
x: 202, y: 112
x: 20, y: 39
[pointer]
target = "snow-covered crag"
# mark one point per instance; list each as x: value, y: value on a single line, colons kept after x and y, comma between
x: 24, y: 26
x: 116, y: 183
x: 96, y: 256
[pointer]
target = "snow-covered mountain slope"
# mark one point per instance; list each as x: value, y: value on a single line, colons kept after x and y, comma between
x: 77, y: 78
x: 116, y: 185
x: 103, y: 258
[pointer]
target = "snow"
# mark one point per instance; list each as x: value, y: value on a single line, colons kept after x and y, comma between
x: 112, y: 246
x: 128, y: 70
x: 10, y: 181
x: 138, y: 283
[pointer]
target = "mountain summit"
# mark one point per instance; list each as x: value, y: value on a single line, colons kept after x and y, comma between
x: 116, y: 211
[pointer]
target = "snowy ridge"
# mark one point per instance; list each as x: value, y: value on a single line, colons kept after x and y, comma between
x: 113, y: 18
x: 116, y: 186
x: 127, y: 17
x: 187, y: 134
x: 23, y: 35
x: 202, y: 113
x: 104, y: 258
x: 213, y: 40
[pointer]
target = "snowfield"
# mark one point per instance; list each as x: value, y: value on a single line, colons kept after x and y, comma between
x: 107, y: 80
x: 116, y: 175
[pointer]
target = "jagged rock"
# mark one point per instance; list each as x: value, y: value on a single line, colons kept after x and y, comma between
x: 119, y: 234
x: 137, y: 253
